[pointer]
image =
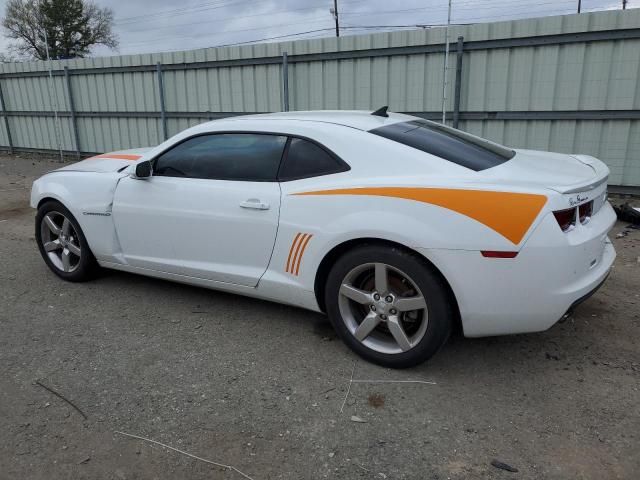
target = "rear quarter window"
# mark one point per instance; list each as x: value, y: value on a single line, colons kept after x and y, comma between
x: 306, y: 159
x: 447, y: 143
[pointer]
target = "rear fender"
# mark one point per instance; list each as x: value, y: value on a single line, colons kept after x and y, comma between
x: 412, y: 224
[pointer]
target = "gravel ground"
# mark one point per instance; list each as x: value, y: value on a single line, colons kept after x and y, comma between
x: 259, y: 386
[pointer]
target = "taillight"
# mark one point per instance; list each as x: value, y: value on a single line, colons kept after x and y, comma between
x: 566, y: 218
x: 585, y: 211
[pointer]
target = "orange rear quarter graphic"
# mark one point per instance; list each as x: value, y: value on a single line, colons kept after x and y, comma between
x: 508, y: 213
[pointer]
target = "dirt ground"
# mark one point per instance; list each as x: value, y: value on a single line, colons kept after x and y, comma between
x: 259, y: 386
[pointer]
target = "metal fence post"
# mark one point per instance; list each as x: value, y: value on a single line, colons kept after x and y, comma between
x: 458, y: 85
x: 285, y: 82
x: 6, y: 120
x: 72, y: 110
x: 163, y: 112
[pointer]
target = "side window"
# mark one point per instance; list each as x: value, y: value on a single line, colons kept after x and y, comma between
x: 224, y: 156
x: 306, y: 159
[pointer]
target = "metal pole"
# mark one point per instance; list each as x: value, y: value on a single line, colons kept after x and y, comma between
x: 53, y: 95
x: 624, y: 4
x: 458, y: 85
x: 6, y: 120
x: 446, y: 65
x: 335, y: 17
x: 579, y: 5
x: 285, y: 82
x: 72, y: 109
x: 163, y: 112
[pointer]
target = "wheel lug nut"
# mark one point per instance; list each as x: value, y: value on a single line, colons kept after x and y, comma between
x: 393, y: 311
x: 383, y: 317
x: 376, y: 296
x: 373, y: 308
x: 389, y: 299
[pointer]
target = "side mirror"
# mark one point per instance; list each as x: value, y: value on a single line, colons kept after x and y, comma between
x: 143, y: 170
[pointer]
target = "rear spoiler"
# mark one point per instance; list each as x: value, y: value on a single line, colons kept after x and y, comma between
x: 601, y: 175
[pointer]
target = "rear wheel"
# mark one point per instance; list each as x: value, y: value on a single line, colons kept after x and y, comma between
x: 62, y: 243
x: 388, y: 305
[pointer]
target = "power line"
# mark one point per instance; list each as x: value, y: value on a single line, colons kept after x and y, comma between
x: 160, y: 39
x: 274, y: 38
x: 413, y: 25
x: 248, y: 42
x: 212, y: 6
x: 457, y: 9
x: 237, y: 17
x: 489, y: 4
x: 342, y: 27
x: 179, y: 11
x: 165, y: 38
x: 233, y: 18
x: 224, y: 19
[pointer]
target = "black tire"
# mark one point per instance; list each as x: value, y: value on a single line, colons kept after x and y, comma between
x: 85, y: 266
x: 420, y: 273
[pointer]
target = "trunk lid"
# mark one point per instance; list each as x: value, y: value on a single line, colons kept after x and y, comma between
x: 107, y: 162
x: 560, y: 172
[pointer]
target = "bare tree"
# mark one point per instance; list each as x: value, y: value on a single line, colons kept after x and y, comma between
x: 71, y: 27
x: 7, y: 58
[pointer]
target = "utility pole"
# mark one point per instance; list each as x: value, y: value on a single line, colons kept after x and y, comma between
x: 52, y: 93
x: 334, y: 12
x: 624, y: 4
x: 446, y: 66
x: 579, y: 5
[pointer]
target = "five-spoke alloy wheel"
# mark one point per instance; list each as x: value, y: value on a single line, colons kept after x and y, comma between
x: 383, y: 308
x: 62, y: 243
x: 389, y: 305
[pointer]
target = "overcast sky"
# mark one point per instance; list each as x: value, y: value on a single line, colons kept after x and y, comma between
x: 160, y: 25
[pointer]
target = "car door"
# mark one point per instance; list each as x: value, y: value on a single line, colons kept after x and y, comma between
x: 210, y: 209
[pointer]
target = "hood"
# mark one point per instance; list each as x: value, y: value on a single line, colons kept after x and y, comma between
x: 107, y: 162
x: 556, y: 171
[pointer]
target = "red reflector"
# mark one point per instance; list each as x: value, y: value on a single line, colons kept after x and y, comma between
x: 566, y: 218
x: 494, y: 254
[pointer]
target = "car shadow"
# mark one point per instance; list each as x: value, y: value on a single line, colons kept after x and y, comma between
x: 562, y: 344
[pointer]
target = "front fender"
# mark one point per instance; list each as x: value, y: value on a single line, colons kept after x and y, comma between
x: 89, y: 197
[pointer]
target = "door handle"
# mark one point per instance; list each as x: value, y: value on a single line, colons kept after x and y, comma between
x: 254, y: 204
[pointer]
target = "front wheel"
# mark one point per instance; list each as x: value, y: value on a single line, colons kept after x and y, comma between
x: 388, y: 305
x: 62, y: 244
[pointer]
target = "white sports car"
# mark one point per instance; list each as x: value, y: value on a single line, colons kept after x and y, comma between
x: 398, y: 228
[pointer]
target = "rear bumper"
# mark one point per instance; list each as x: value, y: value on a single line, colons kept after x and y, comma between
x: 531, y: 292
x: 586, y: 297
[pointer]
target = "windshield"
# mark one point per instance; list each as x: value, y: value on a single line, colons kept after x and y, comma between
x: 447, y: 143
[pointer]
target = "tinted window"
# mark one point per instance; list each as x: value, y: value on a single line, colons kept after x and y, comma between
x: 306, y: 159
x: 224, y: 156
x: 447, y: 143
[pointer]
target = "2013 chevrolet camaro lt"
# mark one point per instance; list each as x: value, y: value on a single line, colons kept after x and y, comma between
x: 398, y: 228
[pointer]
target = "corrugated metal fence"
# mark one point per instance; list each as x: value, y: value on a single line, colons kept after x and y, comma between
x: 567, y: 83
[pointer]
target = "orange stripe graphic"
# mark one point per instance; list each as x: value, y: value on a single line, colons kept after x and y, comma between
x: 117, y: 156
x: 297, y: 250
x: 304, y: 246
x: 508, y: 213
x: 293, y: 244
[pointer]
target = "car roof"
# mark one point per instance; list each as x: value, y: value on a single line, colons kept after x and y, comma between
x: 359, y: 119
